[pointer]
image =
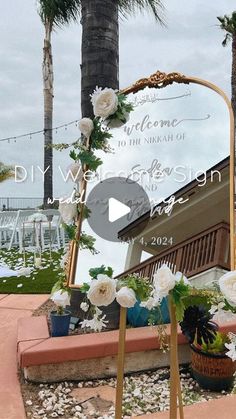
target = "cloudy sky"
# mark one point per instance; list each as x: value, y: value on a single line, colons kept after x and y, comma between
x: 190, y: 44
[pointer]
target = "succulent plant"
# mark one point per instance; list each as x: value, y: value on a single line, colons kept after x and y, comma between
x: 197, y: 325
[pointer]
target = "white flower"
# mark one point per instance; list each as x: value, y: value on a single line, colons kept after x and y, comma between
x: 126, y: 297
x: 163, y: 281
x: 232, y: 350
x: 179, y: 276
x: 24, y: 272
x: 227, y: 285
x: 84, y: 306
x: 19, y: 285
x: 86, y: 126
x: 102, y: 291
x: 96, y: 323
x: 105, y: 102
x: 151, y: 303
x: 61, y: 298
x: 68, y: 211
x: 75, y: 172
x: 216, y: 308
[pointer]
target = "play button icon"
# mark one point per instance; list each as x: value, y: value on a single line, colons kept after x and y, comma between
x: 114, y: 204
x: 117, y: 210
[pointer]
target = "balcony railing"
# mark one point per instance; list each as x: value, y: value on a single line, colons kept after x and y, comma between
x: 201, y: 252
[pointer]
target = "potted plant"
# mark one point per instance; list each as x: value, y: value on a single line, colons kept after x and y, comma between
x: 60, y: 318
x: 210, y: 365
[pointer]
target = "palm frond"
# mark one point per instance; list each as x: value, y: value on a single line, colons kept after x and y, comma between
x: 6, y: 172
x: 228, y: 24
x: 154, y: 6
x: 58, y: 12
x: 226, y: 39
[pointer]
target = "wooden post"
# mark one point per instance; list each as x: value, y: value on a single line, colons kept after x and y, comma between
x: 120, y: 363
x: 175, y: 385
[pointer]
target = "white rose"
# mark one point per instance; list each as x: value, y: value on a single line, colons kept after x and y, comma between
x: 68, y: 211
x: 126, y: 297
x: 102, y: 291
x: 75, y: 172
x: 61, y: 298
x: 105, y: 102
x: 86, y: 126
x: 163, y: 281
x: 227, y: 285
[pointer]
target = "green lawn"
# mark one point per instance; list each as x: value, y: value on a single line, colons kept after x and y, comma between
x: 39, y: 282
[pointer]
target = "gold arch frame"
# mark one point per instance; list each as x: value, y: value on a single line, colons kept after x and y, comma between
x: 160, y: 80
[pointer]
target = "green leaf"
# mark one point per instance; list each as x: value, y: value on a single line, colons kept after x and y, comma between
x: 70, y: 230
x: 87, y: 242
x: 85, y: 288
x: 57, y: 286
x: 94, y: 272
x: 73, y: 155
x: 89, y: 159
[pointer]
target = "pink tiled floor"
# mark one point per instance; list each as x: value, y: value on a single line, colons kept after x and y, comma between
x: 12, y: 307
x: 223, y: 408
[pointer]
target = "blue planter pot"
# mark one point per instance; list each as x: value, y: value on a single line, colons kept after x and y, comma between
x: 138, y: 316
x: 60, y: 323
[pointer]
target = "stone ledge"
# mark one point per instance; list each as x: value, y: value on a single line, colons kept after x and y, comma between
x: 79, y: 347
x: 96, y: 368
x: 82, y: 357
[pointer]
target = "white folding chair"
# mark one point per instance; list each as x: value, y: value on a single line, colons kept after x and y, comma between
x: 8, y: 220
x: 51, y: 228
x: 17, y: 230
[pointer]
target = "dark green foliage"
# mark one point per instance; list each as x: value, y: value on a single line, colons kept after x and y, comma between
x: 87, y: 242
x: 178, y: 294
x: 70, y: 230
x: 100, y: 136
x: 141, y: 286
x: 228, y: 24
x: 94, y: 272
x: 130, y: 7
x: 58, y: 12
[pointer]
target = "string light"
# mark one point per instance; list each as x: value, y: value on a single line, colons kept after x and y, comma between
x: 30, y: 134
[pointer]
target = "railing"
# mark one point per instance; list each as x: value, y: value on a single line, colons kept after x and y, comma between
x: 195, y: 255
x: 20, y: 203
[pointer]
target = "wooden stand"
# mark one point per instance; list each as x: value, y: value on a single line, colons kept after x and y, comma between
x: 120, y: 363
x: 175, y: 385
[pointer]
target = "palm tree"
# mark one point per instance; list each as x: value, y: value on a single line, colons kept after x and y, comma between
x: 228, y: 25
x: 54, y: 14
x: 6, y: 172
x: 100, y: 42
x: 100, y: 54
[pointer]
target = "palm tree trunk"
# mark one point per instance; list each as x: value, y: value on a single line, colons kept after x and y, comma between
x: 48, y: 115
x: 100, y: 48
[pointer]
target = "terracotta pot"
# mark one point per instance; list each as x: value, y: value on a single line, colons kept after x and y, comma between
x: 212, y: 371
